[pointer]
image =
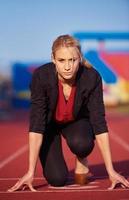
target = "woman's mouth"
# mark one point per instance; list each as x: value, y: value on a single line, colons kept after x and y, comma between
x: 67, y: 74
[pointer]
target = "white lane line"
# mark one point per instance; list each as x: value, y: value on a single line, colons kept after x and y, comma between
x: 119, y: 140
x: 74, y: 187
x: 13, y: 156
x: 65, y: 191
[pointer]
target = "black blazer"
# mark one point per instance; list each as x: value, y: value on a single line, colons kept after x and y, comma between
x: 88, y: 100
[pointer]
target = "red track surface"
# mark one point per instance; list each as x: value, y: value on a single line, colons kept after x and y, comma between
x: 12, y: 166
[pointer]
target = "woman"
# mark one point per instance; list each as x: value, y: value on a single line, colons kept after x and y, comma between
x: 66, y: 99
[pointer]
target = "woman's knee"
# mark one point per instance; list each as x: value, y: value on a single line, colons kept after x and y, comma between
x: 56, y: 180
x: 82, y: 148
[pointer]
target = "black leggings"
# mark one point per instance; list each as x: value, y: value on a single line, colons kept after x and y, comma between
x: 80, y: 139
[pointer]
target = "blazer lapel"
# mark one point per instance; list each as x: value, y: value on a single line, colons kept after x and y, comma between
x: 53, y: 87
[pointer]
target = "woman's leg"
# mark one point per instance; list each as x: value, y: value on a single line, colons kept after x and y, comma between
x: 52, y: 159
x: 79, y: 137
x: 81, y: 166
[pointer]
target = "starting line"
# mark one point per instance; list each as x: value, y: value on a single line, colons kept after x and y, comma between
x: 91, y: 186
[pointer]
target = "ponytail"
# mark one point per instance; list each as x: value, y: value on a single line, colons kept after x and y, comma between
x: 86, y: 63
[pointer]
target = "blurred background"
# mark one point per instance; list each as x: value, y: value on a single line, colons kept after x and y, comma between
x: 28, y: 28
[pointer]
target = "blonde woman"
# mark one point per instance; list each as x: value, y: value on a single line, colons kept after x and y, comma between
x: 67, y: 100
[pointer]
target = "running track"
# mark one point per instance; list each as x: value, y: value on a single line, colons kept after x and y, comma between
x: 14, y: 156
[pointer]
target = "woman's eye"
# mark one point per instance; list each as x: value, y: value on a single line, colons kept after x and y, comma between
x: 70, y: 60
x: 61, y: 60
x: 73, y: 60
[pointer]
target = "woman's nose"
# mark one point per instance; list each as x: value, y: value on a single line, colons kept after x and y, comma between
x: 67, y: 66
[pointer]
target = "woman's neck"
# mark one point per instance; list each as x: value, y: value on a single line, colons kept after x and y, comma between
x: 69, y: 82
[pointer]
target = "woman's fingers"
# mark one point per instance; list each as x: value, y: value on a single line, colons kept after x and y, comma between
x: 125, y: 183
x: 122, y: 181
x: 116, y: 178
x: 15, y: 187
x: 123, y: 186
x: 31, y: 187
x: 24, y: 187
x: 25, y: 181
x: 18, y: 186
x: 22, y: 183
x: 112, y: 186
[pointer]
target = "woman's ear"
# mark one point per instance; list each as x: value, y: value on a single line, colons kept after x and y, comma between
x: 81, y: 57
x: 52, y: 58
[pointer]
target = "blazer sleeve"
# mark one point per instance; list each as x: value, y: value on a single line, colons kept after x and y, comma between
x: 37, y: 121
x: 96, y: 108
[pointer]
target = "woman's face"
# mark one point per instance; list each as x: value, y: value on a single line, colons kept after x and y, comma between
x: 66, y: 60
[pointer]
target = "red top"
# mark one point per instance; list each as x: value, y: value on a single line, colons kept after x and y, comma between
x: 64, y: 110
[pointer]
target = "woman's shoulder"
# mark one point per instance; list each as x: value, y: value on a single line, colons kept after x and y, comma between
x: 43, y: 69
x: 91, y: 73
x: 43, y: 72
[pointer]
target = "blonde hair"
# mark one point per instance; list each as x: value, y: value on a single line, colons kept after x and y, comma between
x: 69, y: 41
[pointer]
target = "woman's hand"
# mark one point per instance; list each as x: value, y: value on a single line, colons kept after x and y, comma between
x: 25, y: 181
x: 116, y: 178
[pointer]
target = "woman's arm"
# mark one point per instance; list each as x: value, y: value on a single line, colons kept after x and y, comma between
x: 35, y: 141
x: 36, y: 127
x: 97, y: 118
x: 103, y: 143
x: 104, y: 146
